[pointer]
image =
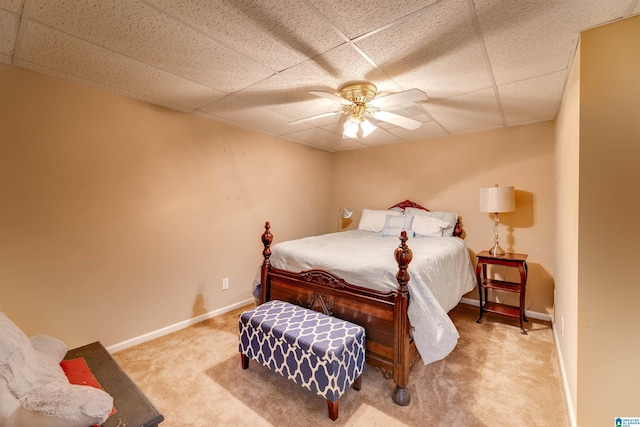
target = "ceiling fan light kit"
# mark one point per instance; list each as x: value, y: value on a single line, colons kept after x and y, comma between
x: 358, y: 100
x: 360, y: 94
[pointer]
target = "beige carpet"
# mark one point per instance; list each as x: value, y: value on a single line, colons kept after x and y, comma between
x: 494, y: 377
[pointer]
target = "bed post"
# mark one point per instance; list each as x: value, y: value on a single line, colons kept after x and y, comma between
x: 401, y: 325
x: 267, y: 238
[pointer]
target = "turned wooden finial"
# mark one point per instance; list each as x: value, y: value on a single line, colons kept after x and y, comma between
x: 267, y: 238
x: 457, y: 232
x: 403, y: 257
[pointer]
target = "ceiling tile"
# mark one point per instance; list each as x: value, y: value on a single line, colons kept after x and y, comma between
x: 43, y: 46
x: 336, y: 127
x: 336, y: 121
x: 14, y: 6
x: 483, y: 63
x: 532, y: 100
x: 9, y: 23
x: 237, y: 110
x: 527, y: 38
x: 426, y: 130
x: 276, y: 33
x: 100, y: 86
x: 321, y: 138
x: 136, y: 30
x: 355, y: 18
x: 435, y: 50
x: 377, y: 137
x: 473, y: 111
x: 288, y: 92
x: 380, y: 136
x: 413, y: 111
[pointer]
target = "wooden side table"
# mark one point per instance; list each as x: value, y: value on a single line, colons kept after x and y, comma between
x: 485, y: 283
x: 133, y: 408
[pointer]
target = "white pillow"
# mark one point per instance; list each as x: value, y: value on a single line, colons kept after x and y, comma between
x: 451, y: 218
x: 426, y: 226
x: 394, y: 225
x: 373, y: 220
x: 395, y: 232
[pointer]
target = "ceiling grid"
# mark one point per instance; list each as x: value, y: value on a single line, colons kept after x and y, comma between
x: 481, y: 63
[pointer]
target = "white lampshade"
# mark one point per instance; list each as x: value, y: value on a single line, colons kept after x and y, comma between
x: 497, y: 199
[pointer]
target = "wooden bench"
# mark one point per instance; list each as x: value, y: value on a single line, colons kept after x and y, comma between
x: 132, y: 407
x: 297, y: 342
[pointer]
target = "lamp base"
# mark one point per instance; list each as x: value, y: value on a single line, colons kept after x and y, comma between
x: 497, y: 250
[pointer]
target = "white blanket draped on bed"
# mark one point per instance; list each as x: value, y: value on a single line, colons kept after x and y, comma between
x: 440, y: 273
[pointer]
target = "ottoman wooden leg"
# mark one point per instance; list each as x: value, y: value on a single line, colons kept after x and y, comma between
x: 245, y: 360
x: 357, y: 383
x: 333, y: 409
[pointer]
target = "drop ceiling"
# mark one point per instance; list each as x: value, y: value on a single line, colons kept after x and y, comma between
x: 482, y: 63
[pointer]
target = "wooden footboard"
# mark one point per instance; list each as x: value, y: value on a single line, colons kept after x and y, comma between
x: 383, y: 315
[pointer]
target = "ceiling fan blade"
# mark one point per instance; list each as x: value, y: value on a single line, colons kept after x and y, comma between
x: 396, y: 119
x: 331, y: 97
x: 317, y: 116
x: 400, y: 98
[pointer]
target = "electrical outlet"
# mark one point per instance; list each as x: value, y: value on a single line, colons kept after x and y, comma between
x: 225, y: 283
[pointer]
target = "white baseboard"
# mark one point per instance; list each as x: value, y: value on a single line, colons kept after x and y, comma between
x: 565, y: 382
x: 528, y: 313
x: 176, y: 327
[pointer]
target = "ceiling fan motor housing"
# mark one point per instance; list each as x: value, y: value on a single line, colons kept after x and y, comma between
x: 359, y: 93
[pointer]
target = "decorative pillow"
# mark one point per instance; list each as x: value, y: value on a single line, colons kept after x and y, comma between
x: 395, y: 232
x: 426, y: 226
x: 394, y: 224
x: 451, y: 218
x: 34, y: 377
x: 373, y: 220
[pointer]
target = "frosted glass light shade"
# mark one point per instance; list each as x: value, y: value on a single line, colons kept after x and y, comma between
x: 351, y: 127
x: 367, y: 127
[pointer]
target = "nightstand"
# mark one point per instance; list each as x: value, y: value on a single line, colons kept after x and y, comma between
x: 485, y: 283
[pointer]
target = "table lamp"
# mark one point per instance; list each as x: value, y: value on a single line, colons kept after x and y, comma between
x: 497, y: 199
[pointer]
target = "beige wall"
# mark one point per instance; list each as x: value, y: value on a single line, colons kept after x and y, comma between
x: 447, y: 174
x: 567, y: 210
x: 119, y: 218
x: 608, y: 366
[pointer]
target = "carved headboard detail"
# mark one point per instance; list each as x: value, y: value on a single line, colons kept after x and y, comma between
x: 409, y: 204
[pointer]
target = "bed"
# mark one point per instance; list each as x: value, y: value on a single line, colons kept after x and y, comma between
x: 400, y: 295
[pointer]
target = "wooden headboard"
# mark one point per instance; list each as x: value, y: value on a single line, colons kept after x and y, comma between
x: 457, y: 232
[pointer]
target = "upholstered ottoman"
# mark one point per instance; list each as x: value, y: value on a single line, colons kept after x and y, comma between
x: 319, y: 352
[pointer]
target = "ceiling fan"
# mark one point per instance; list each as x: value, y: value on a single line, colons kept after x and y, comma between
x: 359, y: 101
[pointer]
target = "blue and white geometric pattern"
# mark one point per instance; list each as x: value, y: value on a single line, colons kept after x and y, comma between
x: 319, y: 352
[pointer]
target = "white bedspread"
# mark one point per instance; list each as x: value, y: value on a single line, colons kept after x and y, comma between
x: 440, y: 273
